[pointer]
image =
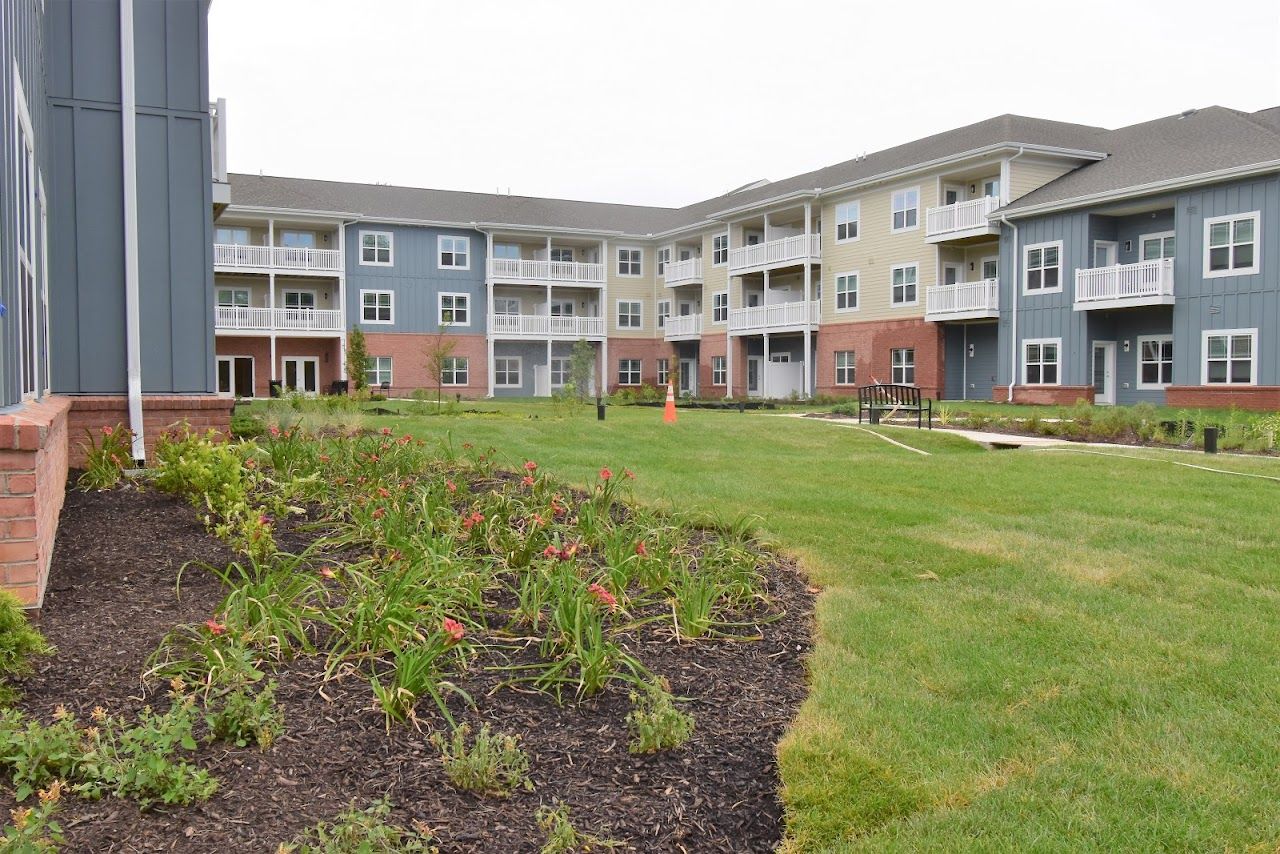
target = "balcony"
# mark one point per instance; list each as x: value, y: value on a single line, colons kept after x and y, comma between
x: 262, y: 259
x: 683, y: 328
x: 218, y: 151
x: 961, y: 220
x: 1125, y: 285
x: 964, y: 301
x: 779, y: 317
x: 288, y: 321
x: 569, y: 328
x: 775, y: 253
x: 520, y: 271
x: 688, y: 272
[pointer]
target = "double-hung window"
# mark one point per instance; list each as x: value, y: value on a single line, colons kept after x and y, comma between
x: 664, y: 258
x: 847, y: 217
x: 717, y: 370
x: 905, y: 279
x: 1040, y: 361
x: 1155, y: 361
x: 845, y: 367
x: 628, y: 372
x: 1230, y: 357
x: 377, y: 307
x: 906, y: 209
x: 454, y: 252
x: 719, y: 250
x: 1153, y: 247
x: 1231, y: 245
x: 455, y: 309
x: 376, y: 248
x: 720, y: 307
x: 902, y: 365
x: 455, y: 370
x: 561, y: 370
x: 378, y: 371
x: 664, y: 311
x: 847, y: 292
x: 664, y: 371
x: 506, y: 305
x: 628, y: 262
x: 1042, y: 266
x: 506, y: 371
x: 629, y: 314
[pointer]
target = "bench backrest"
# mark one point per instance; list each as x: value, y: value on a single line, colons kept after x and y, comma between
x: 889, y: 395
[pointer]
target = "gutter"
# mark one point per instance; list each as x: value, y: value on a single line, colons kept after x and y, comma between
x: 132, y: 300
x: 1013, y: 287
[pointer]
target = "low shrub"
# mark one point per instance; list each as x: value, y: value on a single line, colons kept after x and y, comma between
x: 654, y: 721
x: 562, y: 837
x: 246, y: 426
x: 245, y: 718
x: 19, y: 641
x: 34, y: 830
x: 106, y: 460
x: 364, y: 831
x: 492, y: 764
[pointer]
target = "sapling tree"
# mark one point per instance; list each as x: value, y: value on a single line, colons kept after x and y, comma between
x: 357, y: 358
x: 439, y: 357
x: 582, y: 367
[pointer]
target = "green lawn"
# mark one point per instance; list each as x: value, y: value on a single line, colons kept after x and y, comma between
x: 1017, y: 650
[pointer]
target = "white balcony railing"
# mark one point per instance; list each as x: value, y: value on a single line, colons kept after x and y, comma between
x: 962, y: 216
x: 1143, y: 283
x: 546, y: 326
x: 967, y: 299
x: 277, y: 257
x: 278, y: 319
x: 781, y: 315
x: 218, y: 139
x: 776, y: 252
x: 687, y: 326
x: 521, y: 270
x: 682, y: 272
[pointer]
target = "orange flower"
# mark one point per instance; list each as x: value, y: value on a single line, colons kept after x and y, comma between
x: 603, y: 596
x: 605, y: 474
x: 641, y: 550
x: 453, y: 630
x: 215, y: 627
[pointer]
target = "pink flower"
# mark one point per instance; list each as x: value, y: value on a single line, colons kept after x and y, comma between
x: 264, y: 519
x: 537, y: 519
x: 603, y: 596
x: 550, y: 551
x: 275, y: 431
x: 386, y: 431
x: 327, y: 572
x: 466, y: 446
x: 215, y: 627
x: 605, y: 474
x: 324, y: 458
x: 453, y: 630
x: 530, y: 466
x: 382, y: 492
x: 641, y: 550
x: 526, y: 481
x: 451, y: 486
x: 406, y: 439
x: 471, y: 521
x: 106, y: 431
x: 628, y: 474
x: 379, y: 512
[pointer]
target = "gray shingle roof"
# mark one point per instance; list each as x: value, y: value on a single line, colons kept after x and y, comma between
x: 1166, y: 150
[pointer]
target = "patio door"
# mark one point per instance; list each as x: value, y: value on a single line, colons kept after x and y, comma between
x: 1104, y: 253
x: 688, y: 377
x: 1104, y: 373
x: 754, y: 366
x: 952, y: 274
x: 302, y: 373
x: 952, y: 194
x: 235, y: 376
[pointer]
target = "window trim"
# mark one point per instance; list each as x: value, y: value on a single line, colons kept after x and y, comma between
x: 852, y: 367
x: 1142, y: 339
x: 517, y: 300
x: 662, y: 318
x: 391, y: 249
x: 1026, y: 251
x: 1206, y: 334
x: 724, y: 294
x: 857, y: 205
x: 903, y: 266
x: 284, y: 298
x: 663, y: 368
x: 566, y: 371
x: 617, y: 315
x: 617, y: 262
x: 440, y: 321
x: 1022, y: 355
x: 903, y: 366
x: 1161, y: 236
x: 390, y: 380
x: 440, y: 250
x: 248, y: 235
x: 391, y: 312
x: 714, y: 250
x: 233, y: 289
x: 722, y: 369
x: 892, y: 211
x: 639, y: 372
x: 519, y: 360
x: 466, y: 360
x: 1209, y: 222
x: 857, y: 291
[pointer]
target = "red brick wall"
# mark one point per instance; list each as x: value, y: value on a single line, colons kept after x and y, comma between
x: 1050, y: 395
x: 871, y: 342
x: 408, y: 352
x: 33, y: 479
x: 327, y: 350
x: 1243, y: 397
x: 648, y: 351
x: 160, y: 412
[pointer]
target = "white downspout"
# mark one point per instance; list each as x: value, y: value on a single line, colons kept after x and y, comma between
x: 1014, y: 282
x: 132, y: 307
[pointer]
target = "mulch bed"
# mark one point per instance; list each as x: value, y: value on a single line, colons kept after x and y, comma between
x: 112, y: 598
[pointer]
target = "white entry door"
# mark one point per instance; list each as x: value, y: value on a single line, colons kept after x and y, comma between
x: 1104, y: 372
x: 235, y: 376
x: 754, y: 364
x: 302, y: 373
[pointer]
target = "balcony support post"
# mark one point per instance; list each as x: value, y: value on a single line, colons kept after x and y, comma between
x: 548, y: 324
x: 604, y: 313
x: 807, y: 381
x: 488, y: 286
x: 764, y: 368
x: 271, y: 298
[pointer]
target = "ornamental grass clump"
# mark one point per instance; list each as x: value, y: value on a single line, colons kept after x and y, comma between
x: 491, y: 764
x: 418, y: 671
x: 19, y: 641
x: 654, y: 721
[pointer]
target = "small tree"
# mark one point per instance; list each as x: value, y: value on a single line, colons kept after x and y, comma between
x: 357, y: 359
x: 439, y: 352
x: 582, y: 367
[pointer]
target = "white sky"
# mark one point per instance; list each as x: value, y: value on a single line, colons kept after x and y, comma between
x: 668, y: 102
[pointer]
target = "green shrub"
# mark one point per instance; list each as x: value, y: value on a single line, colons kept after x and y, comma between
x: 493, y: 764
x: 246, y: 426
x: 654, y: 721
x: 358, y: 831
x: 34, y: 830
x: 246, y: 718
x: 562, y: 837
x: 106, y: 461
x: 18, y: 643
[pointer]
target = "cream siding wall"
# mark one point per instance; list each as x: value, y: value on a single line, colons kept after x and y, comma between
x: 1027, y: 174
x: 642, y: 288
x: 326, y: 292
x: 714, y: 280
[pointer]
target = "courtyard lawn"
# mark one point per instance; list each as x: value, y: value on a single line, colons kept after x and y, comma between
x: 1017, y: 650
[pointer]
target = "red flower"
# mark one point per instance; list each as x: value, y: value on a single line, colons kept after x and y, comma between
x: 641, y: 550
x: 628, y: 474
x: 382, y: 492
x: 406, y: 439
x: 526, y: 481
x: 453, y: 630
x: 605, y: 474
x: 537, y: 519
x: 275, y: 431
x: 215, y: 627
x: 569, y: 551
x: 327, y: 572
x: 551, y: 551
x: 251, y: 464
x: 373, y: 458
x: 451, y: 486
x: 324, y: 458
x: 603, y: 596
x: 264, y: 519
x: 471, y: 521
x: 466, y: 446
x: 386, y: 431
x: 106, y: 431
x: 379, y: 512
x: 530, y: 466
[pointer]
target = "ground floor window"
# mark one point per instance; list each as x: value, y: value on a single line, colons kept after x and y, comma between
x: 506, y: 371
x: 455, y: 370
x: 1155, y: 361
x: 560, y: 372
x: 1040, y: 361
x: 628, y: 372
x: 844, y: 367
x: 902, y: 362
x: 378, y: 370
x: 664, y: 371
x: 717, y: 370
x: 1230, y: 356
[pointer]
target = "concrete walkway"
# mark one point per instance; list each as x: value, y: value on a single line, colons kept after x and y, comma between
x: 990, y: 440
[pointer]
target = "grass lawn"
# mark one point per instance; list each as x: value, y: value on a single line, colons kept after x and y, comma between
x: 1017, y: 650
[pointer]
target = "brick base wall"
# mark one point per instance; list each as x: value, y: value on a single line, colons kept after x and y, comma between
x: 1052, y: 395
x: 648, y: 351
x: 408, y: 352
x: 871, y: 343
x: 1242, y: 397
x: 160, y: 412
x: 33, y: 481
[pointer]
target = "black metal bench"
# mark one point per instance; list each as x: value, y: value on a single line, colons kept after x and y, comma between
x: 877, y: 399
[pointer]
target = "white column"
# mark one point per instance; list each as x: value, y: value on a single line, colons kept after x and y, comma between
x: 488, y: 284
x: 808, y: 289
x: 764, y: 369
x: 129, y: 167
x: 271, y: 299
x: 548, y: 324
x: 342, y: 301
x: 604, y: 315
x: 728, y: 307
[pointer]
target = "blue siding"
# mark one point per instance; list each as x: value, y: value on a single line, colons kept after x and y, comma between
x: 969, y: 377
x: 416, y: 279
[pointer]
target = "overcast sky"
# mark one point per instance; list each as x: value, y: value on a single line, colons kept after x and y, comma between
x: 668, y: 103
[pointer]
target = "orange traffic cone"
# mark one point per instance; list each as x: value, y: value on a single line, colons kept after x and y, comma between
x: 669, y: 416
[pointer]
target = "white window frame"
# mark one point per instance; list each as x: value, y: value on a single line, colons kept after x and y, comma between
x: 662, y: 259
x: 519, y: 363
x: 911, y: 265
x: 248, y: 235
x: 561, y: 251
x: 664, y: 312
x: 556, y: 308
x: 639, y: 314
x: 377, y: 371
x: 1162, y: 236
x: 217, y: 297
x: 893, y: 209
x: 440, y: 250
x: 664, y: 371
x: 1156, y: 339
x: 508, y: 300
x: 1232, y: 219
x: 857, y: 287
x: 851, y: 367
x: 449, y: 370
x: 1041, y: 342
x: 284, y: 298
x: 561, y: 366
x: 719, y: 252
x: 285, y: 232
x: 639, y: 372
x: 720, y: 309
x: 454, y: 296
x: 391, y: 249
x: 30, y: 263
x: 1026, y: 273
x: 391, y: 307
x: 1206, y: 334
x: 849, y: 213
x: 894, y: 368
x: 719, y: 370
x: 638, y: 261
x: 499, y: 251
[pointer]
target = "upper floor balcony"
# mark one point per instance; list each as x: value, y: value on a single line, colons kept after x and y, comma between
x: 682, y: 328
x: 237, y: 257
x: 1125, y: 285
x: 218, y: 153
x: 523, y: 271
x: 544, y: 326
x: 233, y: 319
x: 961, y: 220
x: 963, y: 301
x: 687, y: 272
x: 779, y: 317
x: 795, y: 249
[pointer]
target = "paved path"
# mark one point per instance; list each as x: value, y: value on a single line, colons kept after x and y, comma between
x: 991, y: 440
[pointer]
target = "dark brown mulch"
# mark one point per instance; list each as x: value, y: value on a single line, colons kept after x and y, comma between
x: 112, y: 599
